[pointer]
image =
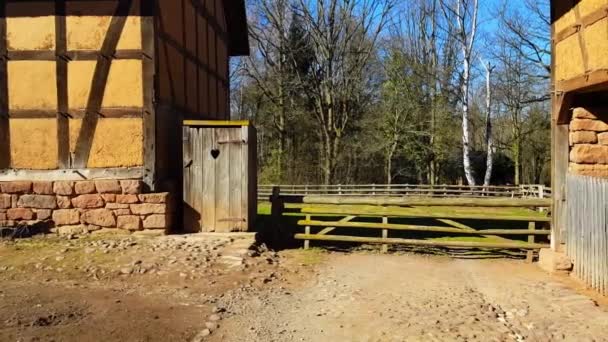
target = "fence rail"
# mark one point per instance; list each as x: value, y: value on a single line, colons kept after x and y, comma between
x: 335, y: 212
x: 400, y: 190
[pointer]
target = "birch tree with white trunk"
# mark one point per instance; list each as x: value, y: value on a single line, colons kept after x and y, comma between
x: 489, y: 68
x: 465, y: 15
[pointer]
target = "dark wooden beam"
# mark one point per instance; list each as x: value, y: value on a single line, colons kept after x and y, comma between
x: 83, y: 55
x: 591, y: 81
x: 5, y: 149
x: 581, y: 24
x: 63, y: 128
x: 98, y: 85
x: 74, y: 113
x: 147, y: 8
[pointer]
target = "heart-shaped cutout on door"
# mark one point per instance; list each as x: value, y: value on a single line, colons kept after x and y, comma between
x: 215, y: 153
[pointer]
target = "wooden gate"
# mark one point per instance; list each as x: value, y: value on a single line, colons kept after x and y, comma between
x: 220, y: 180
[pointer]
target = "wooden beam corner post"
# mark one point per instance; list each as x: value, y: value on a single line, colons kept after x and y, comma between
x: 61, y: 66
x: 5, y: 149
x: 530, y: 252
x: 147, y: 12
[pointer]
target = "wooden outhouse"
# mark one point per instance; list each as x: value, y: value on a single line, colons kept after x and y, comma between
x: 97, y: 90
x: 220, y: 175
x: 580, y: 136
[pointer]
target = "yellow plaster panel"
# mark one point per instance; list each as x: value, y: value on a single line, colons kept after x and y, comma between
x: 568, y: 59
x: 596, y: 42
x: 32, y: 85
x: 30, y: 33
x: 587, y: 7
x: 88, y: 32
x: 566, y: 21
x: 33, y: 143
x: 124, y: 87
x: 117, y: 142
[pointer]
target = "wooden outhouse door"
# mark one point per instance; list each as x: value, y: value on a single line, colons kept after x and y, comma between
x: 219, y: 176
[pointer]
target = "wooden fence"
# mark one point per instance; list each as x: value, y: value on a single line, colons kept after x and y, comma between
x: 445, y: 215
x: 587, y: 230
x: 400, y: 190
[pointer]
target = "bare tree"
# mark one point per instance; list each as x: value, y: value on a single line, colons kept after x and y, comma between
x: 343, y: 34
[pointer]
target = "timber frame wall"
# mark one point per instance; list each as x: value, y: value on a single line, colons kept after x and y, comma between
x: 579, y: 78
x: 185, y: 47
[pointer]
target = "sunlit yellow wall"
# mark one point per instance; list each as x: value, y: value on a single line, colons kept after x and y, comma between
x: 88, y: 32
x: 30, y: 33
x: 118, y: 142
x: 569, y: 61
x: 33, y: 143
x: 124, y: 87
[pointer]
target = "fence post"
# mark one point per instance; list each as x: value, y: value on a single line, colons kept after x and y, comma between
x: 530, y: 252
x: 339, y: 189
x: 307, y: 232
x: 384, y: 235
x: 276, y: 214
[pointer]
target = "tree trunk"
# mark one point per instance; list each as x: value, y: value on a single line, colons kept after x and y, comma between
x: 466, y: 147
x: 489, y: 138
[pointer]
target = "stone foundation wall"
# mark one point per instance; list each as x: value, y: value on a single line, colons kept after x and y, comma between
x: 84, y: 206
x: 589, y: 142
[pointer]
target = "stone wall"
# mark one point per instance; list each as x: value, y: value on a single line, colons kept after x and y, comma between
x: 84, y: 206
x: 589, y: 142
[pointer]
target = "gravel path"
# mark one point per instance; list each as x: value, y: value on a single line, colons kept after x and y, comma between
x: 364, y: 297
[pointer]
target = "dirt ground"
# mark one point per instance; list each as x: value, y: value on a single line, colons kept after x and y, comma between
x: 210, y: 288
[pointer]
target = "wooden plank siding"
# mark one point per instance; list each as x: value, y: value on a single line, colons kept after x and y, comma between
x: 587, y: 236
x: 218, y: 191
x: 193, y: 58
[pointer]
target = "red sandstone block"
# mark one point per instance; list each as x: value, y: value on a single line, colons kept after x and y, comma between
x: 43, y: 187
x: 148, y: 208
x: 589, y: 154
x: 109, y: 198
x: 63, y: 188
x: 99, y: 217
x: 84, y: 187
x: 20, y: 214
x: 130, y: 222
x: 588, y: 125
x: 127, y: 199
x: 154, y: 198
x: 5, y: 201
x: 132, y: 187
x: 64, y: 202
x: 17, y: 187
x: 603, y: 138
x: 43, y: 214
x: 37, y: 201
x: 156, y: 222
x: 88, y: 202
x: 65, y: 217
x: 108, y: 187
x: 114, y: 206
x: 121, y: 212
